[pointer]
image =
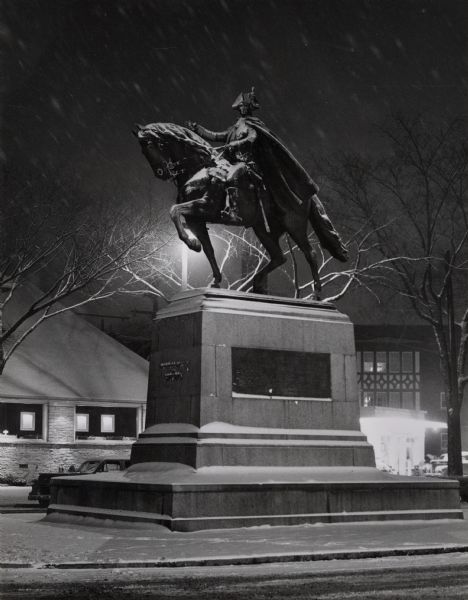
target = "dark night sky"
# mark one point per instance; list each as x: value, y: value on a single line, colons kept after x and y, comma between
x: 80, y: 73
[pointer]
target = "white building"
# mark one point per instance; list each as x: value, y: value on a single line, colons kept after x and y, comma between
x: 68, y: 392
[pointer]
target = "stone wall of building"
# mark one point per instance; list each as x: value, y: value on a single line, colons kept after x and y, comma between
x: 61, y: 426
x: 25, y: 460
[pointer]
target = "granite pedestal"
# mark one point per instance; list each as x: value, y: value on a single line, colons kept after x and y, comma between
x: 252, y: 418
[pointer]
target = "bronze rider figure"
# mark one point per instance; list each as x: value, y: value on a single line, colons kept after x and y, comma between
x: 250, y: 144
x: 239, y: 148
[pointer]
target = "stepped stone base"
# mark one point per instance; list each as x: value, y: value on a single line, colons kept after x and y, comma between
x: 218, y: 444
x: 186, y: 499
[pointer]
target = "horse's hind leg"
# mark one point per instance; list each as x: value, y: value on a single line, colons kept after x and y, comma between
x: 199, y: 229
x: 271, y: 243
x: 305, y: 246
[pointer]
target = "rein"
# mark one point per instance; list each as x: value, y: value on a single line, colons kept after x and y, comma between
x: 177, y: 168
x: 180, y: 167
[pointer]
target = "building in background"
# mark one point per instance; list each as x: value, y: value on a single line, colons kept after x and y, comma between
x: 401, y: 394
x: 68, y: 393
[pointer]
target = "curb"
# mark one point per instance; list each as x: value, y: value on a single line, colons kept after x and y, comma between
x: 245, y: 560
x: 8, y: 510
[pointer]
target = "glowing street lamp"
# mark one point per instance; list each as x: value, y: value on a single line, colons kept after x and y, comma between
x: 184, y: 261
x: 184, y: 268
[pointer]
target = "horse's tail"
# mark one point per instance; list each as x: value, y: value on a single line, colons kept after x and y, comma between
x: 326, y: 233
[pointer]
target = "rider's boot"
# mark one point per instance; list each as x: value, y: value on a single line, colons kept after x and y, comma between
x: 231, y: 210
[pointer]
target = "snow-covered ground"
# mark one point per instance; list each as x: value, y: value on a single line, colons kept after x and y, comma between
x: 27, y: 538
x: 13, y: 494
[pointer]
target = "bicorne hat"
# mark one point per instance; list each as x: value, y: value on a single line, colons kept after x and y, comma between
x: 247, y: 98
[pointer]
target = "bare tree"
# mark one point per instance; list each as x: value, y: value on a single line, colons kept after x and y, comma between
x: 241, y: 256
x: 78, y: 251
x: 414, y: 203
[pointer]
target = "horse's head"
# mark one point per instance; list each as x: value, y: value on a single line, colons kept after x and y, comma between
x: 154, y: 149
x: 173, y: 151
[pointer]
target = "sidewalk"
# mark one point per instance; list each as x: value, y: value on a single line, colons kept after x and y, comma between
x: 14, y: 499
x: 29, y: 541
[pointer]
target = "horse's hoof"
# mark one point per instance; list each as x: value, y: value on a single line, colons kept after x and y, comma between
x: 194, y: 245
x: 216, y: 282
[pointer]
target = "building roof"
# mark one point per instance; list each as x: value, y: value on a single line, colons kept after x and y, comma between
x: 396, y: 336
x: 67, y: 357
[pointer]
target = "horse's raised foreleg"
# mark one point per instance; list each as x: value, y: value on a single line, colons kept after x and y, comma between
x: 182, y: 211
x: 270, y: 241
x: 200, y: 230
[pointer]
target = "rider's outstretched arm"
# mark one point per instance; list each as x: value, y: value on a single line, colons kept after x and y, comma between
x: 210, y: 136
x: 250, y: 138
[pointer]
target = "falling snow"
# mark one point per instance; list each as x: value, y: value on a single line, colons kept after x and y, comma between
x: 79, y: 75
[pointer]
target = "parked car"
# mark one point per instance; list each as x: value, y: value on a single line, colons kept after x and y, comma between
x: 40, y: 490
x: 381, y: 466
x: 463, y: 480
x: 444, y: 457
x: 439, y: 465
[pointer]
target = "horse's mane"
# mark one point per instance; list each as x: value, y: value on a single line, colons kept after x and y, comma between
x: 182, y: 134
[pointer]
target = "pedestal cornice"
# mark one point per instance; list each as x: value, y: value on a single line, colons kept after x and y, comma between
x: 228, y: 301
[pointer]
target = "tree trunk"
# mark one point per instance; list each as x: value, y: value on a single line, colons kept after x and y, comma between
x: 454, y: 446
x: 2, y: 351
x: 448, y: 367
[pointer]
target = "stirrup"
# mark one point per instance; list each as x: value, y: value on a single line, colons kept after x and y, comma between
x: 231, y: 214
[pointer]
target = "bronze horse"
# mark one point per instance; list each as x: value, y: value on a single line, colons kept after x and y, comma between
x: 203, y: 178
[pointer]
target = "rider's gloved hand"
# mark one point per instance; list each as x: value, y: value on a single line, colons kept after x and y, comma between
x: 225, y: 152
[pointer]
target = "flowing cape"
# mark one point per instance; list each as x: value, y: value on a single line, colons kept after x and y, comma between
x: 291, y: 186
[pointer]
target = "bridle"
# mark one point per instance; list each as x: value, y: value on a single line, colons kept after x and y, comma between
x: 174, y: 168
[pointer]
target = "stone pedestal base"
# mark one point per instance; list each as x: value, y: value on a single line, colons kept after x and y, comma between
x: 185, y: 499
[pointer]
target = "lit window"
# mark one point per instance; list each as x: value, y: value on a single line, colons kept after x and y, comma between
x: 416, y: 362
x: 368, y: 362
x: 27, y: 421
x: 82, y: 422
x: 107, y: 423
x: 381, y: 363
x: 407, y: 362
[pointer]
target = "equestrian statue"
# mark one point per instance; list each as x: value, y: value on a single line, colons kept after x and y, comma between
x: 252, y: 180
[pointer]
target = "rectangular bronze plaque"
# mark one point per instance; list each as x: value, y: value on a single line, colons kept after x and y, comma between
x: 287, y: 373
x: 174, y: 370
